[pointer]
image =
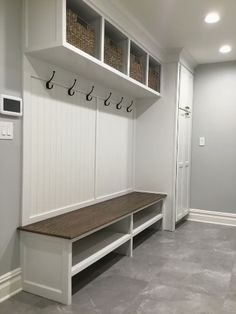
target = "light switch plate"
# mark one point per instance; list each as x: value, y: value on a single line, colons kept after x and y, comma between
x: 202, y: 141
x: 6, y: 130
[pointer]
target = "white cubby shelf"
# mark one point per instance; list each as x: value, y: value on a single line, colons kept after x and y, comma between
x: 46, y: 38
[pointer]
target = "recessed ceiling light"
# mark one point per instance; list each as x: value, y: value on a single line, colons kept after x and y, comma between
x: 212, y: 17
x: 225, y: 49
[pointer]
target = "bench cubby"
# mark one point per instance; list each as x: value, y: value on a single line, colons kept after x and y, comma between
x: 146, y: 218
x: 90, y: 249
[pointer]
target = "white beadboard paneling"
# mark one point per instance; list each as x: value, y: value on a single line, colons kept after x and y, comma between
x: 114, y: 167
x: 59, y: 149
x: 75, y: 152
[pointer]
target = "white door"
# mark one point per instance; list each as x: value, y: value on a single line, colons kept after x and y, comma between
x: 184, y: 143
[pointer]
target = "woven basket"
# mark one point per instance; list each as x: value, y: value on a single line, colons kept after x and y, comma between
x: 113, y: 54
x: 154, y: 79
x: 136, y: 68
x: 79, y: 33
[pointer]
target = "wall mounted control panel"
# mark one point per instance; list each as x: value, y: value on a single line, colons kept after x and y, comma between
x: 10, y: 105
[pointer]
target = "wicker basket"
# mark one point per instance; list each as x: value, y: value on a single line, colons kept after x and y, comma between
x: 154, y: 79
x: 79, y: 33
x: 136, y: 68
x: 113, y: 54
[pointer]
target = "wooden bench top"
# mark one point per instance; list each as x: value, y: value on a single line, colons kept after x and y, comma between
x: 78, y: 222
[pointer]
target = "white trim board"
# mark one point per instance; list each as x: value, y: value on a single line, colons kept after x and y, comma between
x: 64, y: 210
x: 220, y: 218
x: 10, y: 284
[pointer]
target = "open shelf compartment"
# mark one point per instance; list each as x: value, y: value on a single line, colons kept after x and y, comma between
x: 83, y: 27
x: 138, y: 63
x: 90, y: 249
x: 146, y: 217
x: 115, y: 48
x: 154, y: 74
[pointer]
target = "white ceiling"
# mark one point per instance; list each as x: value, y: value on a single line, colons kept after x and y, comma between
x: 180, y: 24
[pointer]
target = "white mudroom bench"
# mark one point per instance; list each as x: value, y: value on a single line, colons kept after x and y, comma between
x: 56, y: 249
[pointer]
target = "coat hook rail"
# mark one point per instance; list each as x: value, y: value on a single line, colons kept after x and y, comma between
x: 106, y: 103
x: 48, y: 83
x: 70, y: 90
x: 88, y: 96
x: 128, y: 108
x: 119, y: 106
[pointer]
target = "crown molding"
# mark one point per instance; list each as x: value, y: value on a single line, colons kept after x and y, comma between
x: 183, y: 56
x: 187, y: 60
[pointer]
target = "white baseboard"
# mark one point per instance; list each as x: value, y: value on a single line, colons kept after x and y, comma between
x: 10, y: 284
x: 220, y: 218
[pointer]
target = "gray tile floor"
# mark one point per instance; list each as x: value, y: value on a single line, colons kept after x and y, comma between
x: 191, y: 271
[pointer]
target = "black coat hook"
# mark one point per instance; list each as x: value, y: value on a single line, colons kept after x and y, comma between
x: 119, y: 106
x: 128, y: 108
x: 105, y: 101
x: 70, y: 92
x: 88, y: 97
x: 48, y: 85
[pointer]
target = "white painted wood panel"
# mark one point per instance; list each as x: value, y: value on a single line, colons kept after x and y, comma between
x: 49, y: 33
x: 184, y: 143
x: 186, y: 88
x: 75, y: 152
x: 114, y: 167
x: 155, y: 152
x: 59, y: 150
x: 181, y: 201
x: 46, y: 266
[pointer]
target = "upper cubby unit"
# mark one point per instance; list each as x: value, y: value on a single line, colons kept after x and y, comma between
x: 73, y: 35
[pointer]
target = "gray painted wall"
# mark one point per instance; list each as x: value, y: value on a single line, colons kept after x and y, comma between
x: 10, y: 151
x: 213, y: 178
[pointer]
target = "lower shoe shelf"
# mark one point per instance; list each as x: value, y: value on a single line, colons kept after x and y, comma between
x: 90, y: 249
x: 144, y: 219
